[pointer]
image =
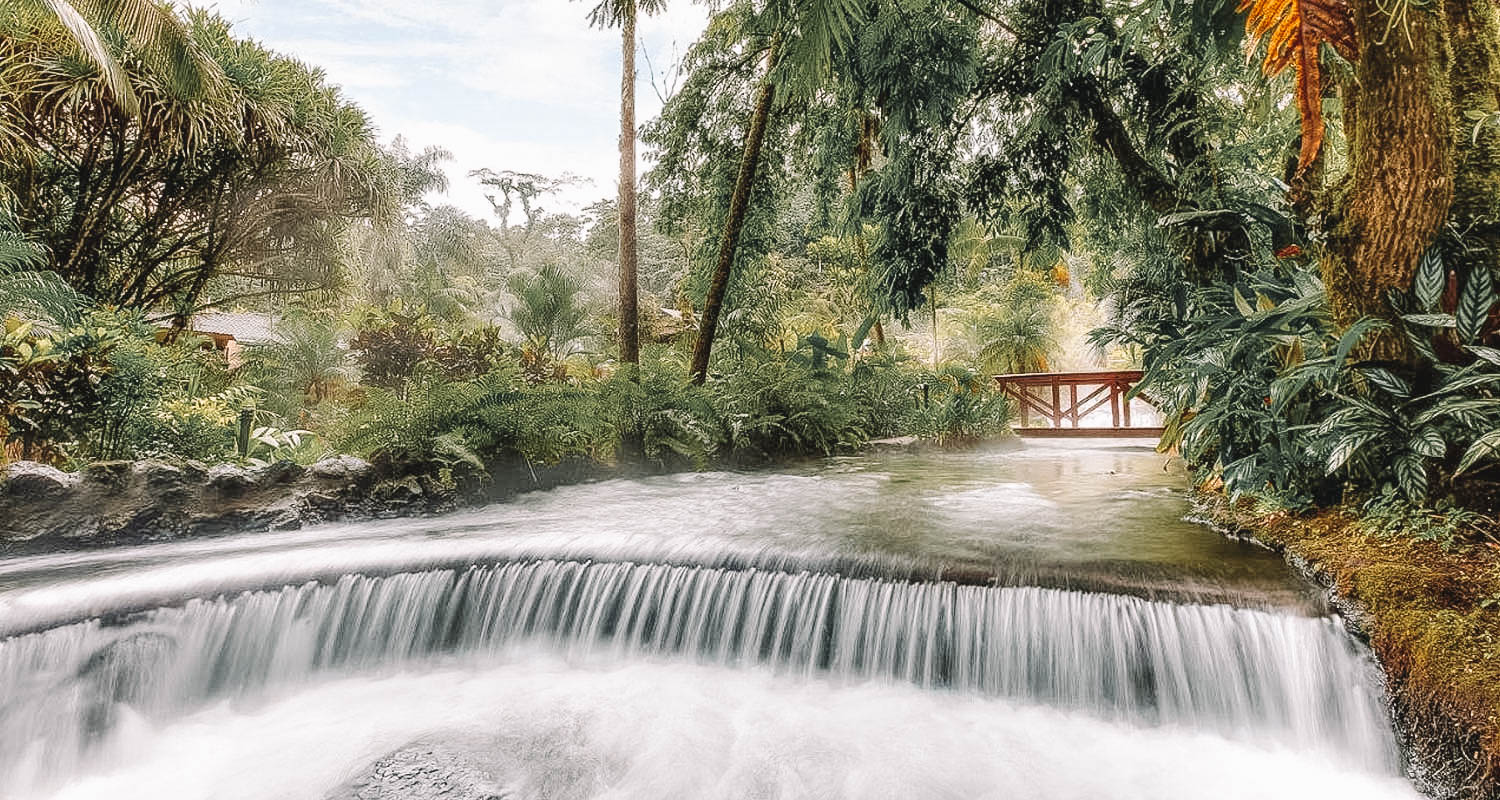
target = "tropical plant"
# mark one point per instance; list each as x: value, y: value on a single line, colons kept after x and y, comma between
x: 1014, y: 338
x: 153, y: 30
x: 267, y: 171
x: 800, y: 42
x: 50, y: 385
x: 1392, y: 437
x: 1295, y: 32
x: 960, y: 404
x: 39, y: 296
x: 654, y: 405
x: 548, y: 312
x: 307, y: 357
x: 770, y: 406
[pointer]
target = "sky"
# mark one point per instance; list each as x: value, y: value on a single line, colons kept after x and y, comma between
x: 525, y: 85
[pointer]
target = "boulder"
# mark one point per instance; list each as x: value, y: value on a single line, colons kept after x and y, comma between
x: 28, y: 480
x: 342, y: 468
x: 110, y: 474
x: 229, y: 479
x: 422, y: 771
x: 398, y: 491
x: 281, y: 472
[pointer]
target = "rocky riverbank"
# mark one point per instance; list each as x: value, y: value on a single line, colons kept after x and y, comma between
x: 1432, y: 617
x: 125, y: 501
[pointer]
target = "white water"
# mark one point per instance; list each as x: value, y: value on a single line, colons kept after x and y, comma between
x: 660, y: 731
x: 764, y: 642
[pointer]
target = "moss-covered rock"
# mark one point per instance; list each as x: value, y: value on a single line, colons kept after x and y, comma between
x: 1432, y: 617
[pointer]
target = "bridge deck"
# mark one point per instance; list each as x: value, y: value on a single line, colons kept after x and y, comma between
x: 1067, y: 399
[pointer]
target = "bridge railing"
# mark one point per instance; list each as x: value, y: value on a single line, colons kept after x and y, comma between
x: 1066, y: 401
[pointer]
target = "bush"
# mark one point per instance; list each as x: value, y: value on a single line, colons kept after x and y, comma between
x: 771, y: 406
x: 394, y: 344
x: 1260, y: 391
x: 961, y: 405
x: 655, y: 408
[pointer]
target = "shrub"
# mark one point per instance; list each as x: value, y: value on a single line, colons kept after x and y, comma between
x: 58, y: 390
x: 1260, y: 391
x: 961, y: 405
x: 396, y: 343
x: 655, y: 408
x: 771, y: 406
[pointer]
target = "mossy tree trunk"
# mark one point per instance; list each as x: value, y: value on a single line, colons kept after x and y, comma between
x: 739, y: 207
x: 1415, y: 171
x: 1474, y: 81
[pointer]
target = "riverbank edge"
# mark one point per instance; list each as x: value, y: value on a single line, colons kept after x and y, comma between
x: 124, y: 502
x: 1429, y: 615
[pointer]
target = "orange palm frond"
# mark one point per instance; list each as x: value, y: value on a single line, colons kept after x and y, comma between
x: 1294, y: 31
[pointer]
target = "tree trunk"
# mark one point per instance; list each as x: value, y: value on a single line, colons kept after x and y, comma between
x: 935, y: 347
x: 1397, y: 193
x: 630, y: 347
x: 1474, y: 77
x: 739, y: 205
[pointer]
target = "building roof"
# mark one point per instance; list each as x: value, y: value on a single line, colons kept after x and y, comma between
x: 246, y: 327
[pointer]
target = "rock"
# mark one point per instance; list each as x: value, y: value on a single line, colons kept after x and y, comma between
x: 159, y: 474
x: 398, y: 491
x: 229, y: 479
x: 282, y: 517
x: 28, y: 480
x: 278, y: 473
x: 342, y: 468
x: 423, y: 771
x: 107, y: 473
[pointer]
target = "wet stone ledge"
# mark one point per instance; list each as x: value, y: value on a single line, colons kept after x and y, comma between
x: 42, y: 507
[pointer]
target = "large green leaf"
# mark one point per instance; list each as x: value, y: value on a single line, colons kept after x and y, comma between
x: 1474, y: 304
x: 1463, y: 411
x: 1387, y: 381
x: 1431, y: 320
x: 1411, y: 476
x: 1428, y: 443
x: 1431, y: 279
x: 1484, y: 448
x: 1489, y: 354
x: 1356, y: 334
x: 1345, y: 448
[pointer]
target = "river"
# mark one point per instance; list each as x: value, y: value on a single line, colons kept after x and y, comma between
x: 1037, y: 621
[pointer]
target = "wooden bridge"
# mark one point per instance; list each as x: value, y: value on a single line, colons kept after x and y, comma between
x: 1065, y: 401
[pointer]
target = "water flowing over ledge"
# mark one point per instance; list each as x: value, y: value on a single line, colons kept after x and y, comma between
x: 1247, y: 674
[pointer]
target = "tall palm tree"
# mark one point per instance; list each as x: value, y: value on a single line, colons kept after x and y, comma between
x: 623, y: 13
x: 153, y: 28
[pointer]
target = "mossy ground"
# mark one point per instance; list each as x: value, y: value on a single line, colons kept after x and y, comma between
x: 1434, y: 623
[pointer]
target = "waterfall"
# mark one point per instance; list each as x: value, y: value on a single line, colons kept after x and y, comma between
x: 1297, y: 681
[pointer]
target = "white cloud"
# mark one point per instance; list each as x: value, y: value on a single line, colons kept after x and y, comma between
x: 519, y: 84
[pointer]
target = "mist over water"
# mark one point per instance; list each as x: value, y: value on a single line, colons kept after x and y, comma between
x: 769, y: 635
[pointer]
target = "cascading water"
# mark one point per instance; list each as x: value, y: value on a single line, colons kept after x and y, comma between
x: 1199, y: 679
